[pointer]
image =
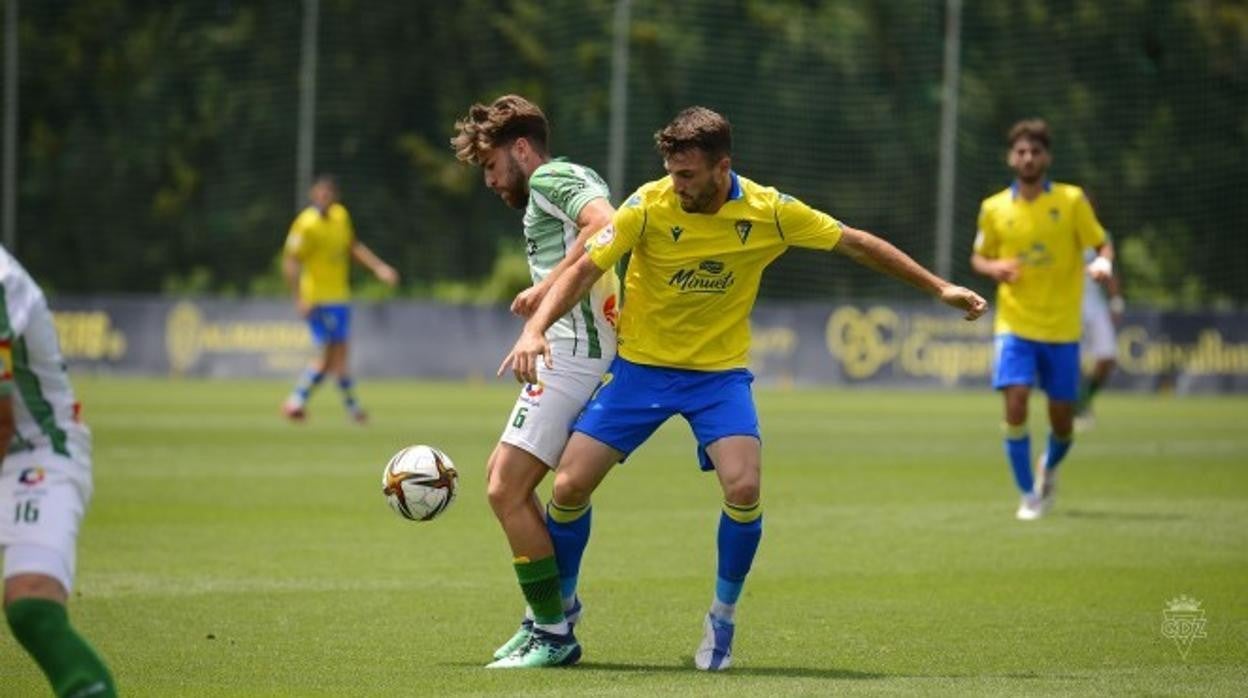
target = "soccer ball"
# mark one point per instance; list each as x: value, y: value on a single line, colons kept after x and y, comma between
x: 419, y: 482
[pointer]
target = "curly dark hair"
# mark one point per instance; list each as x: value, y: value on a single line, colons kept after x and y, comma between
x: 487, y: 127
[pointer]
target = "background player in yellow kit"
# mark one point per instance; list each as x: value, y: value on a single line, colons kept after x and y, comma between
x: 1031, y: 240
x: 317, y: 266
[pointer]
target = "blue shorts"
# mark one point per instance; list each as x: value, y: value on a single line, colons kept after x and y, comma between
x: 329, y: 323
x: 634, y: 399
x: 1054, y: 366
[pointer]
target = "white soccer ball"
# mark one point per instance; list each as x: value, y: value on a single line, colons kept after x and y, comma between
x: 419, y: 482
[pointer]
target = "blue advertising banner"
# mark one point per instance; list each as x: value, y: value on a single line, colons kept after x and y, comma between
x: 884, y: 344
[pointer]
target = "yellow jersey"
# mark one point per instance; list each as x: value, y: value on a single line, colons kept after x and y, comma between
x: 692, y: 278
x: 1047, y: 236
x: 322, y: 246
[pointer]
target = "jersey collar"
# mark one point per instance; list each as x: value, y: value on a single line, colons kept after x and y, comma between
x: 734, y: 191
x: 1048, y: 187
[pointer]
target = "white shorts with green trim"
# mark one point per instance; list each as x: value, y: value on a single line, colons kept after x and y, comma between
x: 541, y: 420
x: 43, y: 497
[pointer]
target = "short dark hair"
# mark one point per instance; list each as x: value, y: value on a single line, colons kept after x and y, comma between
x: 1032, y: 129
x: 507, y: 118
x: 326, y: 179
x: 696, y: 127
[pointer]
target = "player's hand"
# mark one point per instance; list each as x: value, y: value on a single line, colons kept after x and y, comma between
x: 1006, y: 270
x: 387, y: 275
x: 1101, y: 270
x: 524, y: 355
x: 303, y: 308
x: 527, y: 300
x: 964, y: 299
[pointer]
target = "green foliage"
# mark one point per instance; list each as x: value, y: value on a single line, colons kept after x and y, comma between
x: 158, y: 139
x: 509, y: 277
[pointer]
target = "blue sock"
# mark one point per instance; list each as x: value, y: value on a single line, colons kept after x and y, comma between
x: 569, y: 532
x: 737, y: 542
x: 345, y: 384
x: 1057, y: 450
x: 1018, y: 450
x: 307, y: 383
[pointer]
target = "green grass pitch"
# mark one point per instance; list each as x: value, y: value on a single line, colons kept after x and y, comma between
x: 229, y: 553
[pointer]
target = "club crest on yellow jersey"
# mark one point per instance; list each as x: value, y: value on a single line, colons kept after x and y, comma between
x: 743, y: 230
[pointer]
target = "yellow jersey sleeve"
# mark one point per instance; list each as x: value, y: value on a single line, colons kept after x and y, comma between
x: 1087, y: 227
x: 297, y: 240
x: 987, y: 243
x: 614, y: 241
x: 803, y: 226
x: 347, y: 223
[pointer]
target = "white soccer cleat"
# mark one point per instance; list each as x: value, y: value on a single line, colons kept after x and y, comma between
x: 1046, y: 484
x: 1029, y: 509
x: 294, y: 409
x: 1084, y: 422
x: 715, y: 652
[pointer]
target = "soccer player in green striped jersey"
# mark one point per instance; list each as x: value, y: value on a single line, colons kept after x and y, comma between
x: 45, y: 485
x: 563, y: 203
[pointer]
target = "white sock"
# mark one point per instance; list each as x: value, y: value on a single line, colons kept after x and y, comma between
x: 560, y: 628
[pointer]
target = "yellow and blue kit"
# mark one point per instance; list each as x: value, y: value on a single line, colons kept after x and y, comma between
x: 684, y: 332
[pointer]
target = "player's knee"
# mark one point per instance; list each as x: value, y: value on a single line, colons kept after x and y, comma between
x: 570, y: 491
x: 33, y: 586
x: 504, y: 496
x: 742, y: 492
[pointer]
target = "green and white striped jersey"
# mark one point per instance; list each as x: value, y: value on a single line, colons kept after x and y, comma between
x: 558, y: 190
x: 33, y: 371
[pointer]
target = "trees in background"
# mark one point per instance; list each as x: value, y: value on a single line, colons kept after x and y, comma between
x: 157, y: 139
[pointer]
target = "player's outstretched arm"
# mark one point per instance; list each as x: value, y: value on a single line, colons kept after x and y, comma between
x: 290, y: 272
x: 595, y: 216
x: 1000, y: 270
x: 878, y: 254
x: 568, y: 289
x: 384, y: 272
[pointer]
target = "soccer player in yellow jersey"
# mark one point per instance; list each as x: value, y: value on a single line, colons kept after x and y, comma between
x: 700, y: 239
x: 1031, y: 240
x: 317, y: 264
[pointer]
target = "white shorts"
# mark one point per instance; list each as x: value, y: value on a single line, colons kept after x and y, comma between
x: 1099, y: 340
x: 542, y: 418
x: 43, y: 497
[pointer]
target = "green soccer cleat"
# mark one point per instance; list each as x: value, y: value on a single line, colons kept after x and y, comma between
x: 573, y: 616
x: 542, y: 649
x: 517, y: 641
